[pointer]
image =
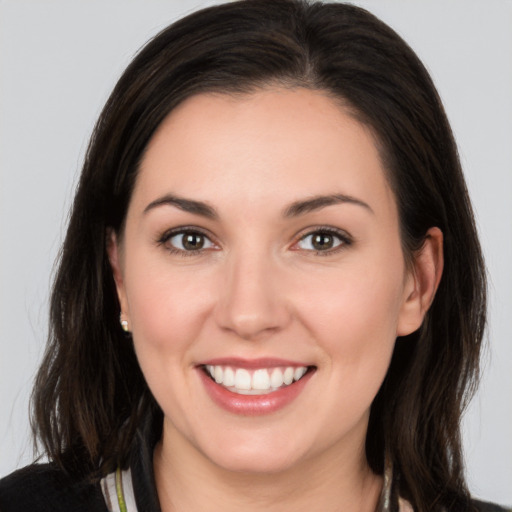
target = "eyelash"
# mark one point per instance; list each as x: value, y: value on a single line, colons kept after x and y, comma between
x: 342, y: 236
x: 163, y: 239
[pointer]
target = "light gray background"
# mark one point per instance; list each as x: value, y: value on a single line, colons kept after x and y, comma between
x: 58, y: 62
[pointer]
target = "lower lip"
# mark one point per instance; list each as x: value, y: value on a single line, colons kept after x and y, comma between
x: 253, y: 405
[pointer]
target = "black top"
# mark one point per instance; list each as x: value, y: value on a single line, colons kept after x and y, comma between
x: 43, y: 487
x: 46, y: 488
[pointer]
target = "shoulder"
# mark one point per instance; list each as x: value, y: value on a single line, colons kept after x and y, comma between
x: 44, y: 487
x: 482, y: 506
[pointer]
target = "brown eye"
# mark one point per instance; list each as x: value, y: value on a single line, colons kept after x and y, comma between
x: 189, y: 241
x: 322, y: 241
x: 193, y: 241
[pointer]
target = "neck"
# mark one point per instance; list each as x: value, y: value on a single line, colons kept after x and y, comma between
x: 330, y: 481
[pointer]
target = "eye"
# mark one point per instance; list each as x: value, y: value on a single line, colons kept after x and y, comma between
x: 323, y: 240
x: 186, y: 241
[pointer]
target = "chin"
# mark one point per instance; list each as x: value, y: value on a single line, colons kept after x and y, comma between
x: 258, y: 457
x: 257, y: 464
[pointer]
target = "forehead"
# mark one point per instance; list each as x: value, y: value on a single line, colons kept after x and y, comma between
x: 269, y: 146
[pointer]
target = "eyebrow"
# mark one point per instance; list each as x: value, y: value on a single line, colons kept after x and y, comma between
x: 187, y: 205
x: 317, y: 202
x: 294, y: 210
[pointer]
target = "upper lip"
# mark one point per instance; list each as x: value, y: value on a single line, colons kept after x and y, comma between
x: 262, y: 362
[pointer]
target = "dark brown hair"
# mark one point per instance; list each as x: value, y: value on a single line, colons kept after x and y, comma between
x: 90, y: 394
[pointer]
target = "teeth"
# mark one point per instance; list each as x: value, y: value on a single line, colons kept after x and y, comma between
x: 260, y: 380
x: 299, y: 372
x: 242, y: 379
x: 276, y: 379
x: 288, y: 376
x: 255, y: 382
x: 229, y: 377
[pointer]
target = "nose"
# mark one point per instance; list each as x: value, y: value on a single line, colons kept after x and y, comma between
x: 252, y: 301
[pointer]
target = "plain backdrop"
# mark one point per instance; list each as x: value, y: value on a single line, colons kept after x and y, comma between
x: 60, y: 59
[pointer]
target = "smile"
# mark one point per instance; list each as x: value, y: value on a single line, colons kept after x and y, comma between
x: 259, y: 381
x: 254, y: 387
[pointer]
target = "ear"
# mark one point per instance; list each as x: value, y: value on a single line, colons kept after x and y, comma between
x: 421, y: 283
x: 114, y: 252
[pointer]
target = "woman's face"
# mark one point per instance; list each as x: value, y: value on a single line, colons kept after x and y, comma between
x: 262, y: 246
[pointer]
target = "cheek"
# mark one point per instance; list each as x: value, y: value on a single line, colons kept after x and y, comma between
x: 356, y: 331
x: 353, y: 315
x: 167, y: 312
x: 166, y: 309
x: 354, y: 302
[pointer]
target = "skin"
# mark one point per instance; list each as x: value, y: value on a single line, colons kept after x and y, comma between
x: 259, y: 289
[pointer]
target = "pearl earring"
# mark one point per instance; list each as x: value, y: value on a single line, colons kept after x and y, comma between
x: 124, y: 323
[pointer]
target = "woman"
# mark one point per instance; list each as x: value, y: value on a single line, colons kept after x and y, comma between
x: 271, y: 293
